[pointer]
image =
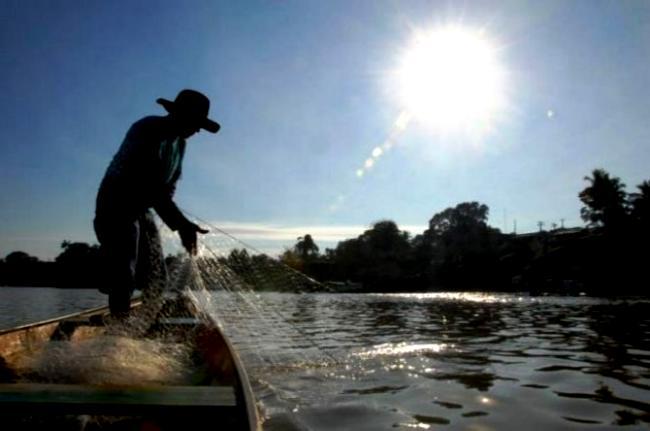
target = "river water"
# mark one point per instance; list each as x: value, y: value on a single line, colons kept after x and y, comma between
x: 23, y: 305
x: 457, y: 361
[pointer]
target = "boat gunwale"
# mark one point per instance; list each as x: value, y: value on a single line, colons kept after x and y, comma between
x: 89, y: 311
x: 252, y: 412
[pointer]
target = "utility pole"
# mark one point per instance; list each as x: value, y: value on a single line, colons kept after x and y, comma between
x: 514, y: 227
x: 562, y: 223
x: 541, y: 225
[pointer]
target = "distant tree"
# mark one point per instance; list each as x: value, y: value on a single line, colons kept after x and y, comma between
x: 638, y: 251
x: 241, y: 263
x: 330, y: 253
x: 21, y: 269
x: 238, y: 258
x: 385, y: 251
x: 78, y: 265
x: 348, y: 258
x: 302, y: 255
x: 19, y: 258
x: 263, y: 273
x: 306, y: 248
x: 459, y: 247
x: 292, y: 259
x: 461, y: 223
x: 385, y: 238
x: 379, y: 257
x: 462, y: 216
x: 604, y: 199
x: 269, y: 274
x: 77, y: 253
x: 640, y: 203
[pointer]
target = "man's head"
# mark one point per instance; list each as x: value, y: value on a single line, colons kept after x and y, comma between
x: 189, y: 111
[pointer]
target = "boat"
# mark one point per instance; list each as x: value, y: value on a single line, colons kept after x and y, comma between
x: 219, y: 396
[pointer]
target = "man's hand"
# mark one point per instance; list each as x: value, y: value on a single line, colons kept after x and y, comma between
x: 188, y: 236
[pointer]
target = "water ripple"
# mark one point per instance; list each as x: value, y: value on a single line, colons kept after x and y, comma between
x: 457, y: 360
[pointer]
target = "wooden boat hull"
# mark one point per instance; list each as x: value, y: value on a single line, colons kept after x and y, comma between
x: 220, y: 395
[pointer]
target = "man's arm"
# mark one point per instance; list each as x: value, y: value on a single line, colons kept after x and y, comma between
x: 170, y: 214
x: 174, y: 218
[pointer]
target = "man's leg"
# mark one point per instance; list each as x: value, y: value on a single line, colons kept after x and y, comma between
x: 119, y: 245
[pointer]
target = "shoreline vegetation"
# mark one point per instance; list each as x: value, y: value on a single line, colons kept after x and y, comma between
x: 458, y: 251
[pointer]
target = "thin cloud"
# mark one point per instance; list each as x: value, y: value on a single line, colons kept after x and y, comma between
x: 269, y: 232
x: 270, y: 238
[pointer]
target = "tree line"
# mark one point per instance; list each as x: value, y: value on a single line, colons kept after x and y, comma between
x: 77, y: 266
x: 460, y: 251
x: 457, y: 251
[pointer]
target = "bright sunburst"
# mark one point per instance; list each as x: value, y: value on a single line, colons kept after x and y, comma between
x: 450, y: 79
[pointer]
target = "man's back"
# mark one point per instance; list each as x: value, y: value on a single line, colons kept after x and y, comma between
x: 137, y: 177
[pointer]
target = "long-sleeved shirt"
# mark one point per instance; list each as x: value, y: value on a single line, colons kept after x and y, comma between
x: 143, y: 174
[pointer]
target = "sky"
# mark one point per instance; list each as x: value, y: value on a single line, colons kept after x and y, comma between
x: 305, y: 92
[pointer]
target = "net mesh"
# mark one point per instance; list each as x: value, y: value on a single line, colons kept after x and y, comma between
x: 242, y: 289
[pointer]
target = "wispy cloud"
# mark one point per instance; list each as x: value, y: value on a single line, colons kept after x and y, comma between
x: 270, y: 238
x: 271, y: 232
x: 276, y: 232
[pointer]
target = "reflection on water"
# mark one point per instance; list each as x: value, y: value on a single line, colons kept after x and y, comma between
x: 23, y: 305
x: 402, y: 349
x: 462, y: 361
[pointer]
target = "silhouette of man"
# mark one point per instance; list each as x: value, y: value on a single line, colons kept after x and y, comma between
x: 141, y: 176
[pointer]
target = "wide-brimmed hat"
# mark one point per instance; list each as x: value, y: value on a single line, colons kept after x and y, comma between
x: 191, y: 104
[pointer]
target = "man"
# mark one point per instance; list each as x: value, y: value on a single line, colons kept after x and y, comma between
x: 141, y: 176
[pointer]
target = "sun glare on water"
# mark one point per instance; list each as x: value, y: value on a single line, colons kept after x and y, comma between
x: 450, y: 79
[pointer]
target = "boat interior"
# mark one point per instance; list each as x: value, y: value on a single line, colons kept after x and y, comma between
x: 213, y: 387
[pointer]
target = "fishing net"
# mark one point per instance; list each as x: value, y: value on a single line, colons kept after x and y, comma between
x: 243, y: 290
x: 251, y: 296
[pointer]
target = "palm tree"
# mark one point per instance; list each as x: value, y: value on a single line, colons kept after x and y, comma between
x: 604, y: 199
x: 306, y: 247
x: 640, y: 203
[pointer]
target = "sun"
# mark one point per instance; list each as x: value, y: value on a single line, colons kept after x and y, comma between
x: 450, y: 78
